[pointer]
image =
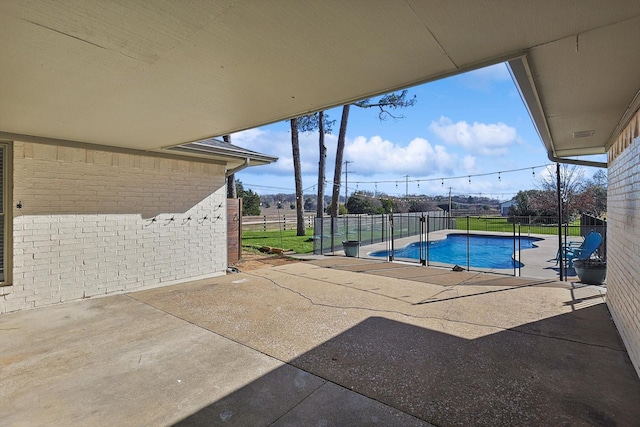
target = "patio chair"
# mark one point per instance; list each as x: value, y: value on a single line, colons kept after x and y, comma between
x: 591, y: 243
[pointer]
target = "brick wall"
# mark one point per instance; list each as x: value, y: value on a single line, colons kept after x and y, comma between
x: 96, y: 222
x: 623, y: 243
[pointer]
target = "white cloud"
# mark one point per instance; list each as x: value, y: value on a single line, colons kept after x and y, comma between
x: 278, y: 144
x: 492, y: 72
x: 246, y: 136
x: 487, y: 139
x: 378, y: 156
x: 469, y: 163
x: 483, y: 79
x: 371, y: 156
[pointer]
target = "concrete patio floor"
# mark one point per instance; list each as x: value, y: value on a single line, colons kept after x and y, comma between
x: 334, y: 341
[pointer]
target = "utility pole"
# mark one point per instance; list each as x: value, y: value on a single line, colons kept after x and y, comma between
x: 346, y: 180
x: 449, y: 207
x: 406, y: 186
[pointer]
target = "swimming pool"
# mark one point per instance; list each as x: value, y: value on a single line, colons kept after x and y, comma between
x: 484, y: 251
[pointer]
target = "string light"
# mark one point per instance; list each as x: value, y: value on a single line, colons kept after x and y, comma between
x: 499, y: 173
x: 396, y: 182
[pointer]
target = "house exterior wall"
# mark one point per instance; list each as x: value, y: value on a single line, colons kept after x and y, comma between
x: 623, y: 242
x: 95, y: 223
x: 504, y: 207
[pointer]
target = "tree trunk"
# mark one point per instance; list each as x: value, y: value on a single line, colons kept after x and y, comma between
x: 335, y: 197
x: 295, y: 146
x: 231, y: 180
x: 321, y: 166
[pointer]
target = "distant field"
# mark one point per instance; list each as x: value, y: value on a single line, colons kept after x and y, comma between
x: 281, y: 230
x: 503, y: 225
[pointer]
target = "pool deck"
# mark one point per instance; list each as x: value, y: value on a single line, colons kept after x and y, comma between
x: 539, y: 262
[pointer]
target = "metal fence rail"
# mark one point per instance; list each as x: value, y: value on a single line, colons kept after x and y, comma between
x: 513, y: 232
x: 462, y: 230
x: 329, y: 233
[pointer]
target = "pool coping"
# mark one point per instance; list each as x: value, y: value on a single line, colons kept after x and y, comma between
x: 539, y: 261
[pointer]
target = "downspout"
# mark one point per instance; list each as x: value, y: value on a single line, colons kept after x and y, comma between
x: 561, y: 250
x: 245, y: 165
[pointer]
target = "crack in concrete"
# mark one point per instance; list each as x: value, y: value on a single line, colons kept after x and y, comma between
x: 439, y: 319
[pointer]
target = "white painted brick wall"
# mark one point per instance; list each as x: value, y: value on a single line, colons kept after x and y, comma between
x: 623, y: 248
x: 95, y: 223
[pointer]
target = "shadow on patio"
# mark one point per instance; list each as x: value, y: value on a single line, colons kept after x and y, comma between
x: 569, y: 369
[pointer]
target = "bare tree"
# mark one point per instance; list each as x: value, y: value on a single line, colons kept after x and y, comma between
x: 386, y: 106
x: 572, y: 185
x: 310, y: 123
x: 322, y: 162
x: 297, y: 169
x: 337, y: 171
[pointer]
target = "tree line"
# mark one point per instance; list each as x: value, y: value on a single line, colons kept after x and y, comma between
x: 577, y: 195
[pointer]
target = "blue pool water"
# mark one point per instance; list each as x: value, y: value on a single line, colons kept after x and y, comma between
x: 484, y: 251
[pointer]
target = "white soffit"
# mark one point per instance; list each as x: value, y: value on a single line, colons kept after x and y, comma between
x: 152, y: 74
x: 587, y: 82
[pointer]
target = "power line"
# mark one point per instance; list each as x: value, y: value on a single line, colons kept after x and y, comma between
x: 266, y: 187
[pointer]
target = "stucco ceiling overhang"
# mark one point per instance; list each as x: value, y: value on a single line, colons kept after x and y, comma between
x: 155, y: 74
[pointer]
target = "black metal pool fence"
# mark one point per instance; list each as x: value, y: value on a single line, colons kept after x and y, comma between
x: 329, y: 233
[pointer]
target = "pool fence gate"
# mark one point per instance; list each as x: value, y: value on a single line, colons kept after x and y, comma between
x: 330, y: 232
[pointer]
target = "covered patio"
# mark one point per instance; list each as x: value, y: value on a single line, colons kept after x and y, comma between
x: 104, y: 195
x: 335, y: 341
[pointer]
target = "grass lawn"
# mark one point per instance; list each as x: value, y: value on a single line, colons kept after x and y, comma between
x: 285, y: 239
x: 288, y: 241
x: 502, y: 225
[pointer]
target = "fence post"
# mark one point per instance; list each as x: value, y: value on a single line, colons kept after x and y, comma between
x: 427, y: 263
x: 372, y: 220
x: 334, y: 222
x: 468, y: 249
x: 264, y: 226
x: 319, y: 233
x: 391, y: 236
x: 514, y: 248
x: 519, y: 250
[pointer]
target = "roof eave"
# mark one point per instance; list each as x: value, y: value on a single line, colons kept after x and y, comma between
x: 232, y: 153
x: 523, y: 79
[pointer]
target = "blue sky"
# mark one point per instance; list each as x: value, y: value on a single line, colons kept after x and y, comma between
x: 467, y: 125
